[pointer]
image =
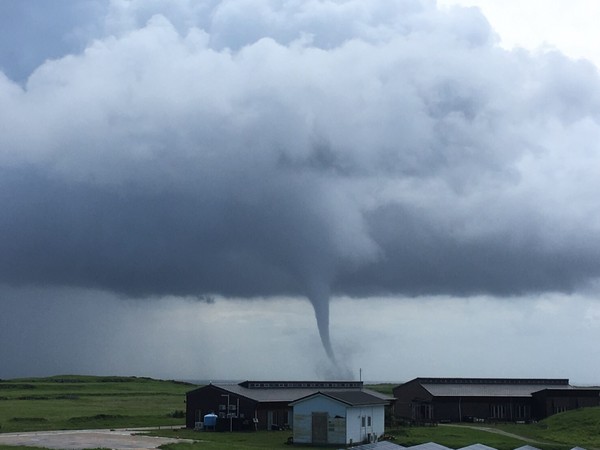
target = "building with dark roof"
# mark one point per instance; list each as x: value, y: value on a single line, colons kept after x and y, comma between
x: 490, y: 399
x: 259, y: 404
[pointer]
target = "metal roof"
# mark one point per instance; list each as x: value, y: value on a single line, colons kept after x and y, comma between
x: 353, y: 397
x: 477, y: 447
x: 262, y: 384
x: 483, y: 390
x: 490, y: 387
x: 548, y: 381
x: 386, y: 445
x: 383, y: 445
x: 288, y: 394
x: 429, y: 446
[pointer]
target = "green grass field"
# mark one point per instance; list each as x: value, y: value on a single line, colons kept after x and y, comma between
x: 82, y: 402
x: 580, y: 427
x: 453, y: 437
x: 76, y: 402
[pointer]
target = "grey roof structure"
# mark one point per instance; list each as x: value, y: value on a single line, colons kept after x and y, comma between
x: 348, y: 397
x: 428, y: 446
x: 477, y: 447
x: 490, y: 387
x: 383, y: 445
x: 386, y: 445
x: 434, y: 446
x: 289, y: 394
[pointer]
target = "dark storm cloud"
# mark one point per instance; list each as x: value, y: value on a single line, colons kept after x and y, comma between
x: 315, y: 148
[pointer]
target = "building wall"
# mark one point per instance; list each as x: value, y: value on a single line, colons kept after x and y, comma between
x: 415, y: 403
x: 345, y: 424
x: 274, y: 415
x: 551, y: 401
x: 457, y: 409
x: 204, y: 400
x: 358, y: 426
x: 411, y: 401
x: 336, y: 419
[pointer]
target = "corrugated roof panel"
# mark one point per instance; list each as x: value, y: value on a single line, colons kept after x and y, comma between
x: 383, y: 445
x: 486, y: 390
x: 527, y: 447
x: 477, y: 447
x: 287, y: 394
x: 428, y: 446
x: 354, y: 397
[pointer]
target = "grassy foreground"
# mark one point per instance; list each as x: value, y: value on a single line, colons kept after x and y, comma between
x: 580, y: 427
x: 79, y: 402
x: 453, y: 437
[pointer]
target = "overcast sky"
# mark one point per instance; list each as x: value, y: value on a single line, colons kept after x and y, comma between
x: 185, y: 186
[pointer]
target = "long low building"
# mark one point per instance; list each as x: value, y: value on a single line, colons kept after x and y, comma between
x: 490, y: 399
x: 259, y: 404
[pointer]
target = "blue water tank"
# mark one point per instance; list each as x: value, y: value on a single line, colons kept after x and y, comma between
x: 210, y: 420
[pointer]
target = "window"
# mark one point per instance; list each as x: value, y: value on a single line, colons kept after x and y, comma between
x: 222, y: 407
x: 362, y: 422
x: 368, y: 421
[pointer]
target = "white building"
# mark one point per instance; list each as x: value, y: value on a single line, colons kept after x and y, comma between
x: 338, y: 417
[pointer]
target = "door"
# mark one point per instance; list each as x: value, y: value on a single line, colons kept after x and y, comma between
x: 319, y: 428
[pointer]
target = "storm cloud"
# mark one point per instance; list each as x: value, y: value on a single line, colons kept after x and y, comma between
x: 319, y: 148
